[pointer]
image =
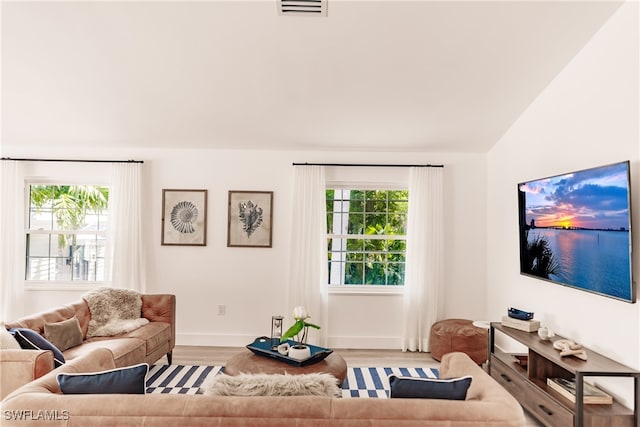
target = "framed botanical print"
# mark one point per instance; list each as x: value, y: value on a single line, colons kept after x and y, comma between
x: 184, y: 217
x: 250, y: 219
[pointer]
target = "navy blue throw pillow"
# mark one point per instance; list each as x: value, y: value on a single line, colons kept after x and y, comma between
x: 31, y: 340
x: 129, y: 380
x: 429, y: 388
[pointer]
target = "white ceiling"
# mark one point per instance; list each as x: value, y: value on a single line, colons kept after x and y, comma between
x: 447, y: 76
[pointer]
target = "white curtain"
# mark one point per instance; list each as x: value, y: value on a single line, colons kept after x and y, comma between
x: 424, y: 268
x: 308, y: 266
x: 11, y: 235
x: 126, y: 261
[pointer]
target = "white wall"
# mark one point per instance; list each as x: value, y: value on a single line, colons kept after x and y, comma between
x: 588, y: 116
x: 252, y: 282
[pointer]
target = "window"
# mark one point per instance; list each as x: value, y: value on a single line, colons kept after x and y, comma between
x: 66, y: 232
x: 366, y: 232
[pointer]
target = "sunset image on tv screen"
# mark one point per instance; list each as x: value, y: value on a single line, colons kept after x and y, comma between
x: 575, y: 230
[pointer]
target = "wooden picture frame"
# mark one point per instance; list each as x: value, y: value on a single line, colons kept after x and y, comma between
x: 184, y: 217
x: 250, y: 219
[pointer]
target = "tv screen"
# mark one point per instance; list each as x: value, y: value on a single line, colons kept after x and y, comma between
x: 575, y: 230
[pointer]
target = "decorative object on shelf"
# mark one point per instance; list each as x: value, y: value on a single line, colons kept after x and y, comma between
x: 299, y: 330
x: 521, y: 359
x: 184, y: 218
x: 516, y: 313
x: 570, y: 348
x: 591, y: 394
x: 522, y: 325
x: 545, y: 333
x: 250, y: 219
x: 276, y: 331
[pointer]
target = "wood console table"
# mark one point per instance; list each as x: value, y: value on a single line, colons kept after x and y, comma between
x: 528, y: 384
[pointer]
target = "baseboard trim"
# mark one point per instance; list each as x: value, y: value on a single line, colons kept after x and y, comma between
x: 214, y: 340
x: 217, y: 340
x: 366, y: 343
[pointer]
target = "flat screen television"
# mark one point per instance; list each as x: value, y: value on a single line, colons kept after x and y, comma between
x: 575, y: 230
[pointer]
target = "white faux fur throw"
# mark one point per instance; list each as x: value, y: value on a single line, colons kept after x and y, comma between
x: 315, y: 384
x: 113, y: 311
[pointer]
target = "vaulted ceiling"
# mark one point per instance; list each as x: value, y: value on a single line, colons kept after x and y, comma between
x: 448, y: 76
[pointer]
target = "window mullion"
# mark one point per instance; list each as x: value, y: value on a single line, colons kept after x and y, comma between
x: 78, y: 255
x: 357, y: 258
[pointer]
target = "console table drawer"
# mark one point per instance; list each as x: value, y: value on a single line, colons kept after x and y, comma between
x: 545, y: 408
x: 534, y: 400
x: 513, y: 382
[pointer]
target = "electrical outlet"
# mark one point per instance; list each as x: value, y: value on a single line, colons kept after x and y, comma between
x: 222, y: 310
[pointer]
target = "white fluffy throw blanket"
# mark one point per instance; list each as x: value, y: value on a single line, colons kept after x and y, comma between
x: 113, y: 311
x: 315, y: 384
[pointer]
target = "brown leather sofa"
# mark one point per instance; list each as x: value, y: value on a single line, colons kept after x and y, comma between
x: 487, y: 404
x: 146, y: 344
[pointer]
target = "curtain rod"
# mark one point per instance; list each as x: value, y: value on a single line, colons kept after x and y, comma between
x: 72, y: 160
x: 368, y: 165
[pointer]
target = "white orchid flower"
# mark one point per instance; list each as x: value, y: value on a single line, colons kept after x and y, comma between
x: 300, y: 313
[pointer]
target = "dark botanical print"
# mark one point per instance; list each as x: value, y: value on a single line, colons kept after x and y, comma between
x: 250, y: 215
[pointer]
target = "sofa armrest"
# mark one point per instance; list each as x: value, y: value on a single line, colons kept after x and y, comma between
x: 161, y: 308
x: 19, y: 367
x: 483, y: 387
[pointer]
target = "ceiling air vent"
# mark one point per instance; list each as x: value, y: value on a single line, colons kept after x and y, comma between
x: 302, y: 7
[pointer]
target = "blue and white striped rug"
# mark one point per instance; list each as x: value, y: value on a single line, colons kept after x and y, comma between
x: 360, y: 382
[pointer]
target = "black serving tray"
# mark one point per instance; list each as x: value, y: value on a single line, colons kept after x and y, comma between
x: 262, y: 346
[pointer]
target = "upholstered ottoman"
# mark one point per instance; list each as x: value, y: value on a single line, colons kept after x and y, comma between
x: 250, y: 363
x: 458, y: 335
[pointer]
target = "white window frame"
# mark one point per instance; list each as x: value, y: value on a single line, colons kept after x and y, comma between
x: 340, y: 289
x: 57, y: 285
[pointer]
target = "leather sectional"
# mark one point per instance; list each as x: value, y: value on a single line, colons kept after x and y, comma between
x: 147, y: 344
x: 487, y: 404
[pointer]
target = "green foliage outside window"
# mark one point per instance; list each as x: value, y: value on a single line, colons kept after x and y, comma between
x: 65, y: 238
x: 366, y: 243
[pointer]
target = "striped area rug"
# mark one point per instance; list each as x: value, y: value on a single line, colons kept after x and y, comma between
x: 360, y: 382
x: 374, y: 382
x: 178, y: 379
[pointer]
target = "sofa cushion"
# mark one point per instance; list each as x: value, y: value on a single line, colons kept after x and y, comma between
x: 7, y: 340
x: 129, y: 380
x: 126, y: 351
x: 65, y: 334
x: 429, y: 388
x: 154, y: 334
x: 31, y: 340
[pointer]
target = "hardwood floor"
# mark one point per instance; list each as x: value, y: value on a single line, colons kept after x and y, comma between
x: 201, y: 355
